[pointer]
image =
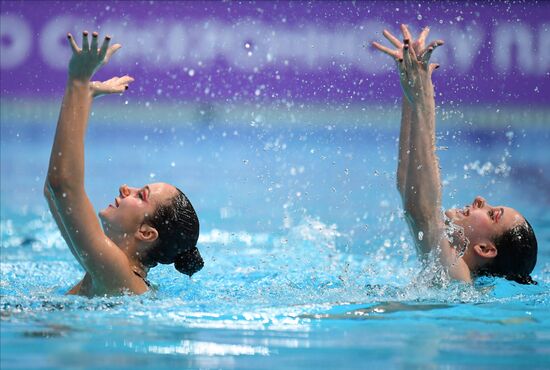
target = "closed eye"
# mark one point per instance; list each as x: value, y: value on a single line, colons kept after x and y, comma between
x: 500, y: 213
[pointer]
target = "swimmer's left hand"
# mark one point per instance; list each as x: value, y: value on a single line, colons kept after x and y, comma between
x: 87, y: 60
x: 115, y: 85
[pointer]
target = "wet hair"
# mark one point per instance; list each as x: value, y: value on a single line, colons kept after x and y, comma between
x: 516, y: 255
x: 178, y: 231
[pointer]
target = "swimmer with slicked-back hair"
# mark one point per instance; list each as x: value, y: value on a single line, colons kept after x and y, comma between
x: 479, y: 239
x: 144, y: 226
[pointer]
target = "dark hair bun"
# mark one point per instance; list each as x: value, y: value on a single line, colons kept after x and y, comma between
x: 189, y: 262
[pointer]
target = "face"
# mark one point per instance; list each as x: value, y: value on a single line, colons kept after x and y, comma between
x: 133, y: 205
x: 483, y: 222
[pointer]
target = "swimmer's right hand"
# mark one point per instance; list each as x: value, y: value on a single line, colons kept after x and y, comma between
x: 422, y: 51
x: 87, y: 60
x: 413, y: 61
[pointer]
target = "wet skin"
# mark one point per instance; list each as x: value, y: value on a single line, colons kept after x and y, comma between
x: 133, y: 205
x: 482, y: 221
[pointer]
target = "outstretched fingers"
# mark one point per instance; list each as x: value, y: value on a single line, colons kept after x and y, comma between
x: 407, y: 54
x: 104, y: 46
x: 73, y: 44
x: 111, y: 80
x: 122, y: 83
x: 426, y: 54
x: 391, y: 38
x: 110, y: 51
x: 93, y: 46
x: 406, y: 33
x: 423, y: 36
x: 392, y: 53
x: 125, y: 80
x: 85, y: 43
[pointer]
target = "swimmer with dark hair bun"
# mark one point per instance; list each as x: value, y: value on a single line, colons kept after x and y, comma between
x: 142, y: 227
x: 479, y: 239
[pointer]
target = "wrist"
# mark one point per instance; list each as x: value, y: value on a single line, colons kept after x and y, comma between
x: 80, y: 86
x: 78, y: 82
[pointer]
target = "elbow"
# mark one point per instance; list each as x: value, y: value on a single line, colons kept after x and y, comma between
x: 415, y: 209
x: 401, y: 180
x: 400, y: 186
x: 47, y: 193
x: 54, y: 187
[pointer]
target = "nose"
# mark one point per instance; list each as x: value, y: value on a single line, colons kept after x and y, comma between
x: 124, y: 190
x: 479, y: 202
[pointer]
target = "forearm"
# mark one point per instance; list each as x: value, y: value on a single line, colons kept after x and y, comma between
x: 422, y: 196
x: 423, y: 182
x: 66, y: 169
x: 404, y: 146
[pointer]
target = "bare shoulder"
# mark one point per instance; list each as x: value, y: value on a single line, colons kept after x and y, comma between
x: 453, y: 261
x: 88, y: 288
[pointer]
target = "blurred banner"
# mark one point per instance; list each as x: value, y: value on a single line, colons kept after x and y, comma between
x: 284, y: 52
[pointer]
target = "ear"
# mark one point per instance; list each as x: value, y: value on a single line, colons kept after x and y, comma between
x: 486, y: 250
x: 147, y: 233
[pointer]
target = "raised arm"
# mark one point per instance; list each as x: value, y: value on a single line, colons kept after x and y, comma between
x: 64, y: 187
x: 418, y: 171
x: 406, y: 107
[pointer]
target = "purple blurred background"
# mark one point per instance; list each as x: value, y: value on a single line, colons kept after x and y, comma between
x: 289, y: 52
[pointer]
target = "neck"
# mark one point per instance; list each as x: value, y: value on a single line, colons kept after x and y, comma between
x: 139, y: 268
x: 131, y: 247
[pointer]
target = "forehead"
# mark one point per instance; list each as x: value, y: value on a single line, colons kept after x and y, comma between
x: 161, y: 191
x: 512, y: 217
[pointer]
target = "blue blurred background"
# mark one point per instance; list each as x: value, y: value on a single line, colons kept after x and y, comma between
x: 280, y: 122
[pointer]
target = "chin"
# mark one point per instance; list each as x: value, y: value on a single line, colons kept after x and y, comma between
x: 102, y: 214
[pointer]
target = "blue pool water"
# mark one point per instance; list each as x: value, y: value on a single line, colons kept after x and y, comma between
x: 308, y: 259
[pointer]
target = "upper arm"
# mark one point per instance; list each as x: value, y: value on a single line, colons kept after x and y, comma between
x: 55, y: 214
x: 97, y: 254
